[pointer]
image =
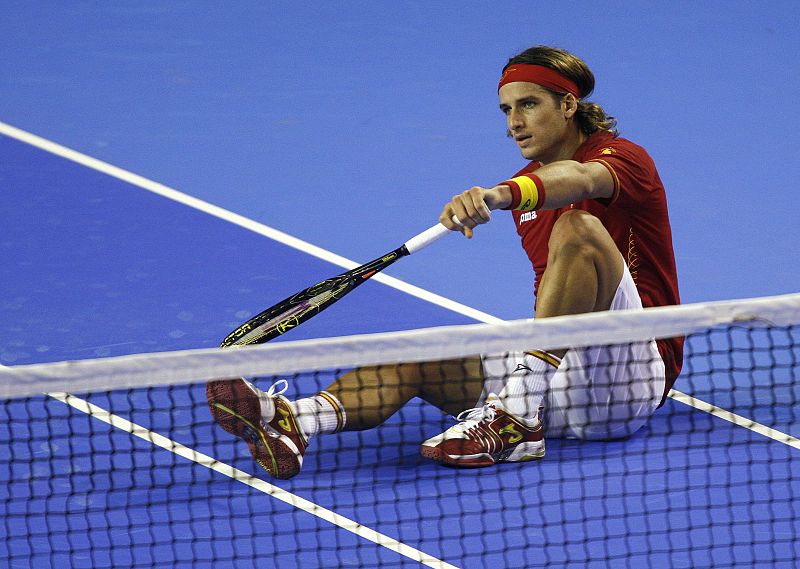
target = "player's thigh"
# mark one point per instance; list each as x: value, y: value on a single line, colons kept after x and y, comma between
x: 450, y: 385
x: 605, y: 392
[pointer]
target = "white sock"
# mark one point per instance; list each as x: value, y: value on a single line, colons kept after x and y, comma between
x: 320, y: 414
x: 525, y: 388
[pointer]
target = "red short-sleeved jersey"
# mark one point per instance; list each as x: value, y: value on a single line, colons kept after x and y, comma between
x: 636, y: 218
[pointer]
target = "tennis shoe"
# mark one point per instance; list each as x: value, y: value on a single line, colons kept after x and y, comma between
x: 485, y: 436
x: 264, y: 419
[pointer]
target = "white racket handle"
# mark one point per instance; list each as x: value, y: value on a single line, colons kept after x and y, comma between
x: 427, y: 237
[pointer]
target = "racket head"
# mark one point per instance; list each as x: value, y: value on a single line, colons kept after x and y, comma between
x: 293, y: 311
x: 288, y: 314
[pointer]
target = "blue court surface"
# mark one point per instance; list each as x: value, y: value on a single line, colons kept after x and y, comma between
x: 348, y: 126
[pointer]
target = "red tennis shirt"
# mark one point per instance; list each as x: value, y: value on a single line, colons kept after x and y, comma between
x: 635, y: 216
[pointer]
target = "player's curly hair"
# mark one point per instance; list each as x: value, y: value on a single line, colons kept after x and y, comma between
x: 590, y: 116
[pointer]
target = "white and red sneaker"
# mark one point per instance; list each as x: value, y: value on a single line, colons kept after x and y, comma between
x: 485, y: 436
x: 265, y: 420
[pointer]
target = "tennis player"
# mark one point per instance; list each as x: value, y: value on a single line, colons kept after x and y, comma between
x: 591, y: 213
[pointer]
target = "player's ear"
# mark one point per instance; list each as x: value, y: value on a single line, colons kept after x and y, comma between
x: 569, y: 105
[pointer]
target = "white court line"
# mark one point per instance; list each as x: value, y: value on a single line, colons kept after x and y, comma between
x: 165, y: 443
x: 737, y: 420
x: 240, y: 476
x: 236, y: 219
x: 276, y: 235
x: 261, y: 229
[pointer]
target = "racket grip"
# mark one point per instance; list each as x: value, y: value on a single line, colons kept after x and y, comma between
x: 427, y: 237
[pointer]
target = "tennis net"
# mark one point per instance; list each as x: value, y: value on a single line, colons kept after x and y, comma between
x: 118, y: 462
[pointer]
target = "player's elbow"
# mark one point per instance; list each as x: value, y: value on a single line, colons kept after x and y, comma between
x: 594, y: 180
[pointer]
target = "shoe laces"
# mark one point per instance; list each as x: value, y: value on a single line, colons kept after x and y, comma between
x: 278, y: 388
x: 268, y: 400
x: 473, y: 417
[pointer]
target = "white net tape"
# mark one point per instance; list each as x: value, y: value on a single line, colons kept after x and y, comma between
x: 445, y: 342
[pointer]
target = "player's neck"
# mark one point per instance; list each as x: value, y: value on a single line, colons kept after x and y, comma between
x: 569, y: 146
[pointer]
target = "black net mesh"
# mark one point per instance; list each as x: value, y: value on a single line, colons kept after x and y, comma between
x: 147, y: 478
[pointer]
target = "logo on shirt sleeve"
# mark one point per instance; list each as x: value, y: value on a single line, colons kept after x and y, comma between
x: 608, y: 151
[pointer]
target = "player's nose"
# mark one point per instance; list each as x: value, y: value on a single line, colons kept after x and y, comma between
x: 515, y: 120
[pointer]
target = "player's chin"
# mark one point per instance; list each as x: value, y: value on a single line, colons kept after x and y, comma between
x: 529, y: 152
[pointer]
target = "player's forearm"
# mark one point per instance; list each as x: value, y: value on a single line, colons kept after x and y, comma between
x: 550, y: 187
x: 558, y: 184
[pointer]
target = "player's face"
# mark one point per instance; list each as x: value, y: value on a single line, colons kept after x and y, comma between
x: 538, y: 124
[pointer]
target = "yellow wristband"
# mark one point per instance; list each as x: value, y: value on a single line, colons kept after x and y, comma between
x: 529, y: 193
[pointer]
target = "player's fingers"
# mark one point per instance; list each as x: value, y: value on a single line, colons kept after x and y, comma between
x: 463, y: 211
x: 450, y: 220
x: 447, y: 218
x: 482, y: 211
x: 475, y: 206
x: 455, y: 207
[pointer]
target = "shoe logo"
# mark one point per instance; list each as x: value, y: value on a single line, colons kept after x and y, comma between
x: 522, y: 367
x: 515, y: 437
x: 284, y: 423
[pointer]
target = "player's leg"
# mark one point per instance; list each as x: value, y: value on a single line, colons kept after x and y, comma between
x: 583, y: 273
x: 584, y: 270
x: 606, y: 392
x: 371, y: 395
x: 278, y: 431
x: 600, y: 392
x: 584, y: 267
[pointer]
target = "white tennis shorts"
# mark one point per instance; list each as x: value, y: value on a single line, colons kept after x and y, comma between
x: 598, y: 392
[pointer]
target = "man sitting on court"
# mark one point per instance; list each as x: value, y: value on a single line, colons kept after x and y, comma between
x: 591, y: 213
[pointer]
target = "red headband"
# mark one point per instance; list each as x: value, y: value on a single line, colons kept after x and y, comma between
x: 544, y: 76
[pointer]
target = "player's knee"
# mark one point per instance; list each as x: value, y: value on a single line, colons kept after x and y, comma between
x: 579, y: 233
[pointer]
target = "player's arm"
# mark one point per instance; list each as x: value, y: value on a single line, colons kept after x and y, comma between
x: 562, y: 183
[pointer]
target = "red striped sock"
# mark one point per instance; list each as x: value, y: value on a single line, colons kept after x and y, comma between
x: 320, y: 414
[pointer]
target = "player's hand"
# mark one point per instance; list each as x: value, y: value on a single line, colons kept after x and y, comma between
x: 473, y: 207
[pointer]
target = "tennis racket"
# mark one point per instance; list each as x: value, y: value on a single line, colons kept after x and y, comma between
x: 293, y: 311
